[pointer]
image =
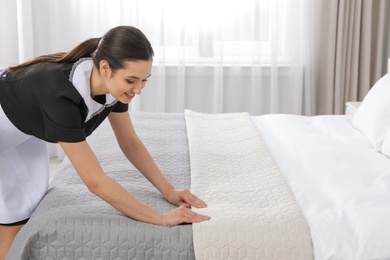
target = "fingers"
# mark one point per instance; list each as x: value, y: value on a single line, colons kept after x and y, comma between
x: 187, y: 205
x: 183, y: 215
x: 189, y: 216
x: 190, y: 199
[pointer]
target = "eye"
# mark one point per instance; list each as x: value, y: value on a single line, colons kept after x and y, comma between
x: 130, y: 81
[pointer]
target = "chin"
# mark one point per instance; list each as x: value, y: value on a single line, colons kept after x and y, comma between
x: 125, y: 100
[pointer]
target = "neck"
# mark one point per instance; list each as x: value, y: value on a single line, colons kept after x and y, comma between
x: 96, y: 83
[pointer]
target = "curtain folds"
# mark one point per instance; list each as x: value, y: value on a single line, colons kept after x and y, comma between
x: 353, y: 52
x: 25, y: 30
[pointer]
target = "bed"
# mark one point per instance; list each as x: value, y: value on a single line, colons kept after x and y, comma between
x: 277, y: 187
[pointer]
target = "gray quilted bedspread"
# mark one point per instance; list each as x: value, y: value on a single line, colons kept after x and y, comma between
x: 73, y: 223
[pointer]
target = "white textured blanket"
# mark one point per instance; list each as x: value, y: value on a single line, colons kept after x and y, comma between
x: 253, y: 212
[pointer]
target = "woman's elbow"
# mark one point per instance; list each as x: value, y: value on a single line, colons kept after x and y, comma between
x: 129, y: 144
x: 95, y: 186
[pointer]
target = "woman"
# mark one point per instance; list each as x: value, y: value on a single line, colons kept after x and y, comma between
x: 62, y: 98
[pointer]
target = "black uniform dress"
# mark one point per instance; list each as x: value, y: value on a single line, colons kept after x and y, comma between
x: 49, y: 102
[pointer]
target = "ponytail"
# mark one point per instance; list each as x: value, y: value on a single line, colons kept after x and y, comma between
x: 84, y: 49
x: 117, y: 46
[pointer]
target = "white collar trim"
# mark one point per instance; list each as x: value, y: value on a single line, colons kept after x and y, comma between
x: 80, y: 76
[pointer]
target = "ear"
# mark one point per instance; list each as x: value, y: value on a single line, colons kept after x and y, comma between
x: 105, y: 69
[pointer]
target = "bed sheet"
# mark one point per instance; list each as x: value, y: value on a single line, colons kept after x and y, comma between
x: 342, y: 185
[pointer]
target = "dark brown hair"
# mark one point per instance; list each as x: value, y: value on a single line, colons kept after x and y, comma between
x: 118, y: 45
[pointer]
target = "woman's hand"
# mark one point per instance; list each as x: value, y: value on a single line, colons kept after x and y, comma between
x: 182, y: 215
x: 184, y: 198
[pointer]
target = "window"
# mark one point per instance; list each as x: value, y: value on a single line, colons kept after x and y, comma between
x: 224, y: 31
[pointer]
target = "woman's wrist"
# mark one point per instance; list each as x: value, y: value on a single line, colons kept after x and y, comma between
x: 167, y: 190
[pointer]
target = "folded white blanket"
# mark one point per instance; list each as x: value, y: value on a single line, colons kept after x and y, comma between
x: 253, y: 212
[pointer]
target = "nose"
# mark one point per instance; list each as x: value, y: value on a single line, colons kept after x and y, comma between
x: 137, y: 89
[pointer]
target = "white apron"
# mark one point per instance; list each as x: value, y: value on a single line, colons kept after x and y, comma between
x: 24, y: 172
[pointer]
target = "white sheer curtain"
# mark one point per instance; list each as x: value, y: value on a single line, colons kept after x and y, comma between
x: 16, y: 31
x: 211, y: 56
x: 224, y: 56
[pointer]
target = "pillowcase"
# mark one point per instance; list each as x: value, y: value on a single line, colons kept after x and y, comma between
x: 372, y: 117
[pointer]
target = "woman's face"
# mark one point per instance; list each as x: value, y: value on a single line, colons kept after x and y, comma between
x: 125, y: 83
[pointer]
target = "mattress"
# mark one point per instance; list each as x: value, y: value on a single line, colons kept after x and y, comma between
x: 342, y: 188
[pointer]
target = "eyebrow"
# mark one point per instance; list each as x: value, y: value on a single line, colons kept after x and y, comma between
x: 134, y: 77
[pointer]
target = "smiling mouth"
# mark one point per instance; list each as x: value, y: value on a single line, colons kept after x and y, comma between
x: 130, y: 95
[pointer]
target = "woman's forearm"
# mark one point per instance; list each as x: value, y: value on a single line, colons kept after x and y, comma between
x: 121, y: 199
x: 139, y: 156
x: 90, y: 171
x: 136, y: 152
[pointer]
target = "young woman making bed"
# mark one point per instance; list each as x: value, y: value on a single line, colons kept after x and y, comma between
x: 63, y: 98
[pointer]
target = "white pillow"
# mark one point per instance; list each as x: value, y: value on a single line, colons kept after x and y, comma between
x: 372, y: 117
x: 386, y: 145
